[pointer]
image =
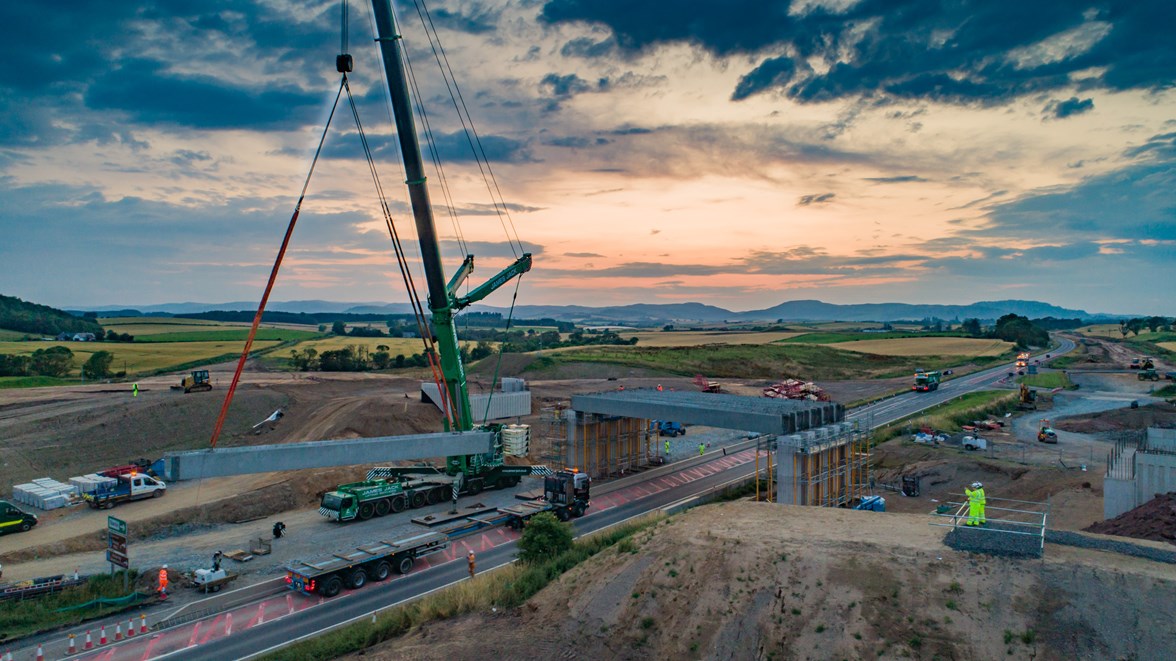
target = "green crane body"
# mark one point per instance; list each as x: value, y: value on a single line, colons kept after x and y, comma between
x: 442, y: 299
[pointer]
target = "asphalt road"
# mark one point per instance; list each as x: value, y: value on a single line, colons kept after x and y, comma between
x: 311, y: 619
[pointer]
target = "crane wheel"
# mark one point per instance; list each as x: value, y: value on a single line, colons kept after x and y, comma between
x: 475, y: 487
x: 436, y: 495
x: 399, y: 504
x: 418, y: 499
x: 382, y: 507
x: 366, y: 510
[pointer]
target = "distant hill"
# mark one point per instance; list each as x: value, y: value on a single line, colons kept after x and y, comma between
x: 656, y: 314
x: 35, y: 319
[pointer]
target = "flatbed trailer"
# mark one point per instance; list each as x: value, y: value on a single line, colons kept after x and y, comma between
x: 352, y: 569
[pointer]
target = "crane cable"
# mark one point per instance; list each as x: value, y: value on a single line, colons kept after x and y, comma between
x: 431, y: 354
x: 463, y: 113
x: 220, y: 419
x: 502, y: 349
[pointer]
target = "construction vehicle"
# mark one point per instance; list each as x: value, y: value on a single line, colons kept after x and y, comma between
x: 1149, y: 374
x: 565, y: 495
x: 1028, y: 400
x: 872, y: 504
x: 363, y: 500
x: 1022, y: 359
x: 706, y: 385
x: 1045, y: 433
x: 197, y: 381
x: 926, y: 381
x: 666, y: 428
x: 127, y: 487
x: 14, y: 519
x: 1147, y: 363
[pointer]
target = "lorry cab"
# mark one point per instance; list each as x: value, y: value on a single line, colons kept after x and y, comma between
x: 14, y: 519
x: 337, y: 506
x: 145, y: 486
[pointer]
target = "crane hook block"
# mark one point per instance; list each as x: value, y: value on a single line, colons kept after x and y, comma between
x: 343, y: 63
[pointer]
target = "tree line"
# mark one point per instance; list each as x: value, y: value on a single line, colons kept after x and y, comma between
x: 57, y: 361
x: 1011, y: 328
x: 25, y: 317
x: 1153, y: 324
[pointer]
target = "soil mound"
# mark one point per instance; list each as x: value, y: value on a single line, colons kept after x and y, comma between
x: 1154, y: 520
x: 760, y: 581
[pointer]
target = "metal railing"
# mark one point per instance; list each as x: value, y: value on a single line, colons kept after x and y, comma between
x: 1029, y: 519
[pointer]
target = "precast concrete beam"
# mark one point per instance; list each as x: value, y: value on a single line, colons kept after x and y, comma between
x: 757, y: 414
x: 222, y: 462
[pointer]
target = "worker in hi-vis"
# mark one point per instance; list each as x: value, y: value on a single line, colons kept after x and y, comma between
x: 975, y: 504
x: 667, y: 447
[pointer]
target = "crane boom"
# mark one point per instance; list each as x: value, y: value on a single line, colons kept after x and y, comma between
x: 442, y: 301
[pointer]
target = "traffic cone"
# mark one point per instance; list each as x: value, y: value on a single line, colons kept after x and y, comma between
x: 89, y: 643
x: 73, y: 646
x: 142, y: 623
x: 130, y: 627
x: 40, y: 653
x: 102, y: 635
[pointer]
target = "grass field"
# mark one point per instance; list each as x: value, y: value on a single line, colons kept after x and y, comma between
x: 1046, y: 380
x: 929, y: 346
x: 1100, y: 330
x: 698, y: 338
x: 1170, y: 346
x: 11, y: 336
x: 835, y: 338
x: 234, y: 335
x: 950, y: 415
x: 139, y: 358
x: 144, y: 328
x: 31, y: 382
x: 755, y: 361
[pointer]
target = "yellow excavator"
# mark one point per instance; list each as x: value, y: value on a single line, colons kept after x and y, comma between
x: 1028, y: 398
x: 197, y: 381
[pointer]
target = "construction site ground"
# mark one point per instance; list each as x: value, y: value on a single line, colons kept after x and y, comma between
x: 60, y: 432
x: 759, y: 581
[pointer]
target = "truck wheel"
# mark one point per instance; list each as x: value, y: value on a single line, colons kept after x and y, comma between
x: 515, y: 523
x: 682, y: 431
x: 399, y: 504
x: 357, y: 578
x: 331, y: 587
x: 157, y: 493
x: 436, y: 495
x: 512, y: 481
x: 577, y: 511
x: 366, y: 510
x: 418, y: 499
x: 381, y: 571
x: 562, y: 514
x: 475, y: 487
x: 382, y: 507
x: 404, y: 564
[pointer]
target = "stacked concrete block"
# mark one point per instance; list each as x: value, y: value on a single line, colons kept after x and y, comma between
x: 45, y: 493
x: 91, y: 482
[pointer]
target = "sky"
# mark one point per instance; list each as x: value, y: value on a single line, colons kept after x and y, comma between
x: 738, y: 153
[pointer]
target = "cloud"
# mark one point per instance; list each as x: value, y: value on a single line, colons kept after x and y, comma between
x: 900, y: 179
x: 1056, y: 109
x: 973, y: 52
x: 583, y: 254
x: 822, y: 198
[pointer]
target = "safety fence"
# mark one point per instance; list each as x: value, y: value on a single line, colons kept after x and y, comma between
x: 1009, y: 527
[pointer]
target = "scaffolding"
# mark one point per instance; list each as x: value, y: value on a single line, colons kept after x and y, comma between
x: 828, y: 466
x: 555, y: 434
x: 610, y: 446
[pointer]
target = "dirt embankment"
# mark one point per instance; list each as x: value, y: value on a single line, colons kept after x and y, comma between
x: 1155, y: 520
x: 1160, y: 414
x: 760, y: 581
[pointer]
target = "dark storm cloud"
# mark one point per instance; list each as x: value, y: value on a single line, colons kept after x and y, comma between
x: 449, y: 147
x: 806, y: 200
x: 1056, y: 109
x: 476, y: 22
x: 585, y: 47
x: 570, y: 85
x: 968, y: 52
x: 143, y: 91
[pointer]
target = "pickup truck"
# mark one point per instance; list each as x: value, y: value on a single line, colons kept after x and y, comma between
x: 130, y: 486
x: 14, y: 519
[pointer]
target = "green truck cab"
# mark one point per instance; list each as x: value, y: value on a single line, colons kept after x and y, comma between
x: 14, y: 519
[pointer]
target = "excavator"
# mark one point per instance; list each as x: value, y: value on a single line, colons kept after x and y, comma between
x: 1028, y: 398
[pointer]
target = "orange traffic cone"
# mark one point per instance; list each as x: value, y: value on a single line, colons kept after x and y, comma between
x: 40, y: 653
x: 142, y: 623
x: 130, y: 627
x: 73, y: 646
x: 89, y: 643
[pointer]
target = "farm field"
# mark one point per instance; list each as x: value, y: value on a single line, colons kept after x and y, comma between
x: 928, y: 346
x: 396, y: 345
x: 149, y: 326
x: 233, y: 335
x: 697, y: 338
x: 11, y: 336
x: 1170, y: 346
x: 139, y: 358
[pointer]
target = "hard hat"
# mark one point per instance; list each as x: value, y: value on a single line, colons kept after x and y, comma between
x: 164, y: 567
x: 976, y: 485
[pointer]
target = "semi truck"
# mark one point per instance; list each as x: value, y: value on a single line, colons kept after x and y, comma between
x: 128, y: 487
x: 926, y: 381
x: 14, y: 519
x: 565, y: 494
x: 377, y: 497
